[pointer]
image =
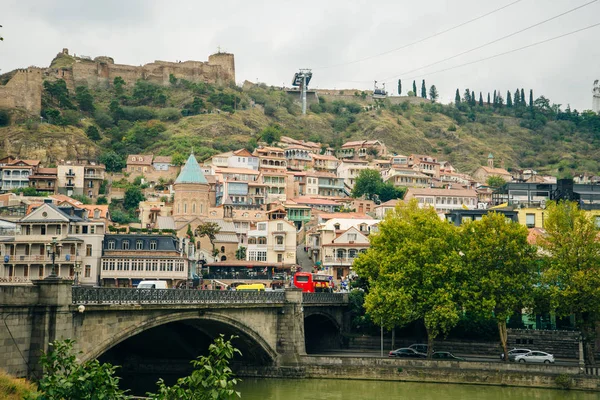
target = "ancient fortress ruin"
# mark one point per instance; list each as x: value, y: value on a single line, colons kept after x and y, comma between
x: 23, y: 88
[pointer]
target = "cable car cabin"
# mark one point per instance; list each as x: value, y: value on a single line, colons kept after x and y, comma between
x: 312, y: 282
x: 379, y: 94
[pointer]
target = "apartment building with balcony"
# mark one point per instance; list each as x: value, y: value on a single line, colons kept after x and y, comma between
x: 362, y: 149
x: 15, y: 174
x: 275, y: 184
x: 234, y: 159
x: 80, y: 177
x: 425, y: 164
x: 129, y: 259
x: 273, y: 241
x: 349, y: 170
x: 325, y: 163
x: 406, y: 177
x: 234, y: 184
x: 271, y: 158
x: 298, y: 157
x: 325, y: 184
x: 44, y: 180
x: 76, y: 231
x: 443, y: 199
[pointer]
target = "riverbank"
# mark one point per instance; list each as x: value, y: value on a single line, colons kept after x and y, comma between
x: 456, y: 372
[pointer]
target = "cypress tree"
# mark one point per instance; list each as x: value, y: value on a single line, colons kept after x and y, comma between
x: 457, y: 97
x: 522, y: 97
x: 495, y: 99
x: 480, y: 99
x: 517, y: 98
x: 473, y: 99
x: 423, y: 90
x: 415, y: 87
x: 530, y: 97
x: 467, y: 96
x: 488, y: 102
x: 509, y: 102
x: 399, y: 87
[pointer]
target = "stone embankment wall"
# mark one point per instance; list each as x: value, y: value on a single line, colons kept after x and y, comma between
x: 23, y: 90
x: 386, y: 369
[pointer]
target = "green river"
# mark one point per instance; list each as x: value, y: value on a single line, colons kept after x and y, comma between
x: 334, y: 389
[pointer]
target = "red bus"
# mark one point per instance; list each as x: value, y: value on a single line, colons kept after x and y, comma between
x: 312, y: 283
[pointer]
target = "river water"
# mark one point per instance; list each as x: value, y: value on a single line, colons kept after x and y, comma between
x: 335, y: 389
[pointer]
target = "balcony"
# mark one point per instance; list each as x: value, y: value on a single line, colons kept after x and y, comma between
x: 70, y: 174
x: 70, y: 184
x: 334, y: 261
x: 19, y: 259
x: 104, y: 274
x: 279, y: 247
x: 88, y: 175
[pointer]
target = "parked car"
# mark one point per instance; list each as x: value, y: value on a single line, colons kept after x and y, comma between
x: 446, y: 355
x: 406, y: 352
x: 152, y: 285
x: 536, y: 357
x: 421, y: 348
x: 515, y: 352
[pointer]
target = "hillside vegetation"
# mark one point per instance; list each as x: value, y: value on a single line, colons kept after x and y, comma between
x: 139, y: 117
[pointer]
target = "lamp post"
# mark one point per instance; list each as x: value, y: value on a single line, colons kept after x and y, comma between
x: 53, y: 248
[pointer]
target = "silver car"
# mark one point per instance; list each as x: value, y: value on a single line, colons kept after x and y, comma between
x: 515, y: 352
x: 535, y: 357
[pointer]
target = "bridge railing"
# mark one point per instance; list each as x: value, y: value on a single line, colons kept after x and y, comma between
x: 320, y: 298
x: 89, y: 295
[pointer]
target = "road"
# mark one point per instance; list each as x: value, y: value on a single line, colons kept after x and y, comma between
x: 467, y: 357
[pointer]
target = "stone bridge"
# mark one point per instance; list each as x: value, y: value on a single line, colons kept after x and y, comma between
x: 118, y: 324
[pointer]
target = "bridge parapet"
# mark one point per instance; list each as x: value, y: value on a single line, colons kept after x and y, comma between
x: 88, y: 295
x: 324, y: 298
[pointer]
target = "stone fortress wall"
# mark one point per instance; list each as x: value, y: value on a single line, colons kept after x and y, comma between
x: 24, y: 89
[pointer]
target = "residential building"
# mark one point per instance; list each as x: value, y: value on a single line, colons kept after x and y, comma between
x: 15, y: 174
x: 80, y: 177
x: 162, y: 163
x: 275, y: 183
x: 129, y: 259
x: 327, y: 184
x: 406, y: 177
x: 235, y: 159
x: 382, y: 209
x: 443, y: 199
x: 460, y: 216
x: 425, y: 164
x: 482, y: 173
x: 271, y: 158
x: 297, y: 213
x: 349, y: 170
x: 233, y: 183
x: 44, y: 180
x: 381, y: 164
x: 287, y: 142
x: 78, y: 238
x: 150, y: 210
x: 362, y: 149
x: 273, y: 241
x: 399, y: 161
x: 318, y: 203
x: 298, y: 157
x: 139, y: 163
x: 325, y: 163
x: 226, y: 241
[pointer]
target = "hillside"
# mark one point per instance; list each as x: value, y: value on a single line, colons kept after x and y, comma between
x: 136, y: 117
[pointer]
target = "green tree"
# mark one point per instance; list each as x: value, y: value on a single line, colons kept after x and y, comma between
x: 467, y: 96
x: 516, y: 98
x: 93, y: 133
x: 240, y: 253
x: 415, y: 87
x: 368, y: 184
x: 531, y: 98
x: 212, y: 379
x: 522, y: 97
x: 118, y: 84
x: 172, y: 80
x: 210, y: 230
x: 271, y: 134
x: 480, y: 99
x: 85, y: 99
x: 488, y: 99
x: 571, y: 268
x: 509, y: 102
x: 112, y: 161
x: 433, y: 93
x: 414, y: 271
x: 499, y: 264
x: 495, y: 181
x: 101, y: 200
x: 457, y: 97
x: 399, y: 87
x: 178, y: 159
x: 423, y: 89
x: 133, y: 196
x: 65, y: 378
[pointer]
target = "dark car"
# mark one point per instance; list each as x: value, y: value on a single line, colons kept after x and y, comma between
x: 421, y: 348
x: 446, y: 355
x: 406, y: 352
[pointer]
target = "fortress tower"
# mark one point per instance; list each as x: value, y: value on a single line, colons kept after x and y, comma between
x: 596, y: 98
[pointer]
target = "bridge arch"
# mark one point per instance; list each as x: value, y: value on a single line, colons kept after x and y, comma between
x: 254, y: 341
x: 322, y: 331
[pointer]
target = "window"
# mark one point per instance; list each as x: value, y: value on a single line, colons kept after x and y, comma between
x: 279, y: 240
x: 43, y: 229
x: 222, y: 249
x: 530, y: 220
x: 111, y: 244
x: 351, y: 237
x: 88, y: 250
x: 96, y: 214
x: 84, y: 229
x: 336, y: 227
x: 279, y: 258
x: 257, y: 256
x: 139, y: 244
x: 262, y: 227
x: 153, y: 245
x: 279, y: 226
x: 58, y: 229
x: 92, y: 229
x: 125, y: 245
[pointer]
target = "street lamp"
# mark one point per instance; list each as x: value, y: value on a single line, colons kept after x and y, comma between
x: 53, y: 248
x: 77, y: 272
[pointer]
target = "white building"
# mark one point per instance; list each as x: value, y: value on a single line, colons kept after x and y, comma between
x: 272, y: 241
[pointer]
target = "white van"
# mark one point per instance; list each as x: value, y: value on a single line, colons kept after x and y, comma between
x: 152, y: 285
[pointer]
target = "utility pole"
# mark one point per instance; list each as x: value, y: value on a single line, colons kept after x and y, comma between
x: 302, y: 80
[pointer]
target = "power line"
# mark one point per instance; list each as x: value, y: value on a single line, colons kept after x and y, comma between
x: 420, y: 40
x: 508, y: 52
x: 493, y: 41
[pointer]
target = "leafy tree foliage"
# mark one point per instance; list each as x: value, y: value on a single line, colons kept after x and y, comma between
x: 433, y: 93
x: 399, y: 87
x: 118, y: 84
x: 133, y: 196
x: 413, y: 268
x: 271, y: 134
x: 212, y: 379
x: 59, y: 93
x: 93, y: 133
x: 571, y: 268
x: 480, y: 99
x: 178, y: 159
x: 414, y: 88
x: 370, y: 184
x: 112, y: 161
x: 499, y: 263
x: 240, y: 253
x: 509, y: 102
x: 495, y: 181
x: 423, y: 90
x: 210, y: 230
x: 457, y: 97
x: 65, y: 378
x: 85, y: 99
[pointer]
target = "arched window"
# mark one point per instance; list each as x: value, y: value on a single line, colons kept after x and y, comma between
x: 223, y: 258
x: 341, y: 253
x: 185, y: 208
x: 194, y: 208
x: 336, y: 227
x: 251, y: 240
x: 262, y: 240
x: 352, y: 253
x: 222, y: 249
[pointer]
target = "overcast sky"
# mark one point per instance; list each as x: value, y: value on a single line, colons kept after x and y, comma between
x: 273, y: 39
